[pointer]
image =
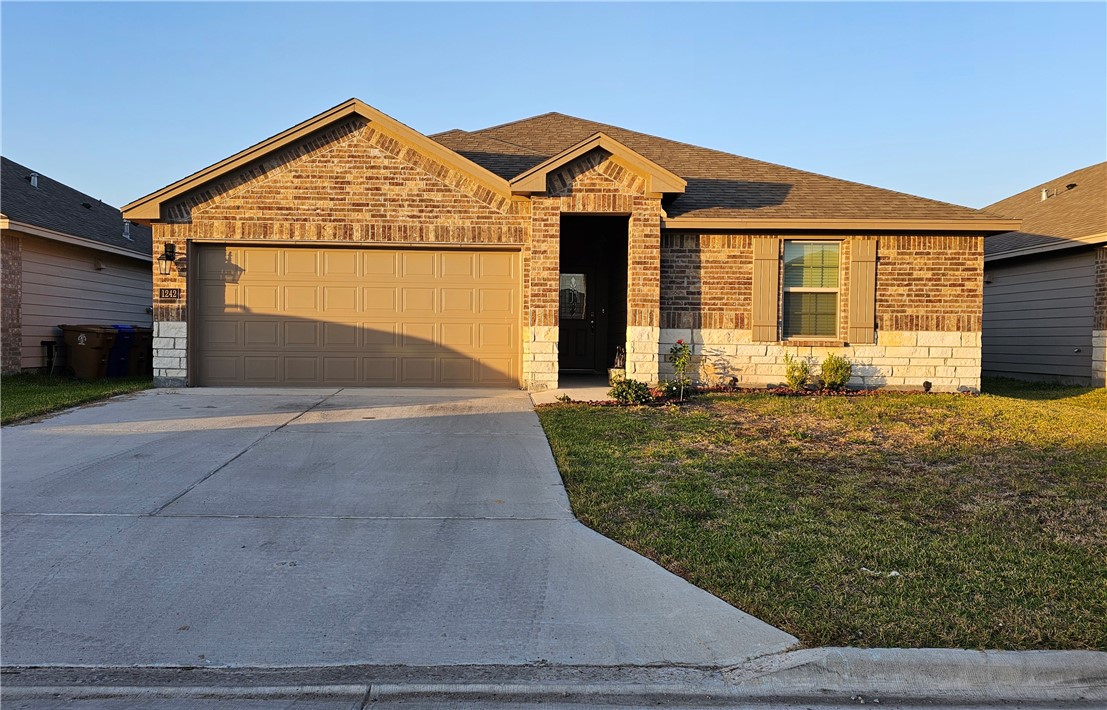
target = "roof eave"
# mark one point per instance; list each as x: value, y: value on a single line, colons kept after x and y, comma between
x: 1073, y: 243
x: 981, y: 226
x: 54, y: 235
x: 148, y: 209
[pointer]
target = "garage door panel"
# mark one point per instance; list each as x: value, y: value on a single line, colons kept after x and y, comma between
x: 340, y: 335
x: 499, y: 265
x: 418, y: 300
x: 300, y: 262
x: 495, y: 371
x: 457, y: 301
x: 261, y: 369
x: 417, y: 371
x: 340, y: 263
x: 458, y: 371
x: 256, y: 262
x: 350, y: 316
x: 340, y: 370
x: 497, y: 301
x: 260, y: 334
x: 418, y: 263
x: 418, y: 336
x: 303, y: 299
x: 222, y: 333
x: 339, y: 300
x: 298, y: 334
x: 259, y: 299
x: 379, y: 298
x: 223, y: 369
x: 379, y: 263
x: 301, y: 370
x: 459, y: 264
x: 457, y: 336
x: 380, y: 370
x: 218, y: 297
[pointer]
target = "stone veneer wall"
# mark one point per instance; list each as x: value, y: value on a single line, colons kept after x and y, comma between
x: 1099, y: 325
x: 928, y: 308
x: 950, y: 361
x: 11, y: 302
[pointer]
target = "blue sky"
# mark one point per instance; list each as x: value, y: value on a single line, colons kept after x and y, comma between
x: 961, y: 102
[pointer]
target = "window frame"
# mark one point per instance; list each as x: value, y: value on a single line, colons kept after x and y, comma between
x: 784, y: 290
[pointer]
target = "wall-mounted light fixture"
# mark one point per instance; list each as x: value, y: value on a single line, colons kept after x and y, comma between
x: 168, y: 256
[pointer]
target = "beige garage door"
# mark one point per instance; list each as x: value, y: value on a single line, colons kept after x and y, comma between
x: 322, y: 316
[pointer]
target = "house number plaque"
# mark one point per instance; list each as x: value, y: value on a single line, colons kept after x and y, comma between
x: 169, y: 293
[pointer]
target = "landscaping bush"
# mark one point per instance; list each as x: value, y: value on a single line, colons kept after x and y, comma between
x: 836, y: 372
x: 630, y: 392
x: 797, y: 372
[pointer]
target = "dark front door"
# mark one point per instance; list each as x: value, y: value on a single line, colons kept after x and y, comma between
x: 579, y: 298
x: 592, y: 292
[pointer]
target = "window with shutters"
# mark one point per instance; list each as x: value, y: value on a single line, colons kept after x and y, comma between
x: 810, y: 289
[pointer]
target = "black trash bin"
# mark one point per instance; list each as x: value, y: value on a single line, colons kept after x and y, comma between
x: 89, y: 349
x: 119, y: 359
x: 142, y: 352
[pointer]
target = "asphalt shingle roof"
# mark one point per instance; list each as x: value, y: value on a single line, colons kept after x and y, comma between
x: 58, y: 207
x: 1065, y: 215
x: 720, y: 185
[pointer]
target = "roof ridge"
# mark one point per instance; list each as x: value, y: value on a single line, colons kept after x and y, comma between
x: 744, y: 157
x: 520, y: 120
x: 1046, y: 183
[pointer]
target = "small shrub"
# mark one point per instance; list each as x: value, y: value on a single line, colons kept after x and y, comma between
x: 797, y: 372
x: 681, y: 356
x: 836, y: 372
x: 630, y: 392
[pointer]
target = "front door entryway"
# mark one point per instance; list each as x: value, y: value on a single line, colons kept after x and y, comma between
x: 592, y: 292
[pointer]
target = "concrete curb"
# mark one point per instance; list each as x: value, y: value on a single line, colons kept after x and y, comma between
x: 824, y: 675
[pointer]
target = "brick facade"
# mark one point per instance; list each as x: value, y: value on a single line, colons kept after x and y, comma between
x: 11, y: 302
x: 355, y: 184
x: 928, y: 306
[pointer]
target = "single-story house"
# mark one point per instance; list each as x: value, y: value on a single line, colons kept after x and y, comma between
x: 353, y: 250
x: 1045, y: 285
x: 68, y: 258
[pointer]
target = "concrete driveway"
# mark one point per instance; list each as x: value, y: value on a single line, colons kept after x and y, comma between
x: 223, y: 527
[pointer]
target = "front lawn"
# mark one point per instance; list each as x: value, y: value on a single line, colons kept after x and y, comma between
x: 895, y: 520
x: 29, y: 395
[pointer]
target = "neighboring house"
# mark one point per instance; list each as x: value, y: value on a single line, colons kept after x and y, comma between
x: 67, y: 259
x: 353, y: 250
x: 1045, y: 286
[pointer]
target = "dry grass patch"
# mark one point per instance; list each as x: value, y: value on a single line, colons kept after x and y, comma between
x: 991, y: 511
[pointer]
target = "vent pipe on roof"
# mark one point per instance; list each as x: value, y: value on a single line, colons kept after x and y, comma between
x: 1045, y: 194
x: 127, y: 230
x: 33, y: 177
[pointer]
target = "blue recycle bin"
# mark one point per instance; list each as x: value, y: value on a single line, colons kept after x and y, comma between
x: 119, y: 359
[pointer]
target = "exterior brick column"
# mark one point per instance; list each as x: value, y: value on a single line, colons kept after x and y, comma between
x: 644, y: 290
x: 171, y: 316
x: 541, y: 270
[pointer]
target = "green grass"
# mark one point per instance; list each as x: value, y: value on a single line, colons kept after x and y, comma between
x: 991, y: 510
x: 27, y: 395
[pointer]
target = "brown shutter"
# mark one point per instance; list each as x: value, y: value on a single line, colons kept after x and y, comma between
x: 862, y: 291
x: 766, y: 288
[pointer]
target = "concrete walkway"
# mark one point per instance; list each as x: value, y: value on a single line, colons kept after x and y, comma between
x: 306, y: 528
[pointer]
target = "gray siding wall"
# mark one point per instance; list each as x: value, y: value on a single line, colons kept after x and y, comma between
x: 61, y: 285
x: 1037, y: 314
